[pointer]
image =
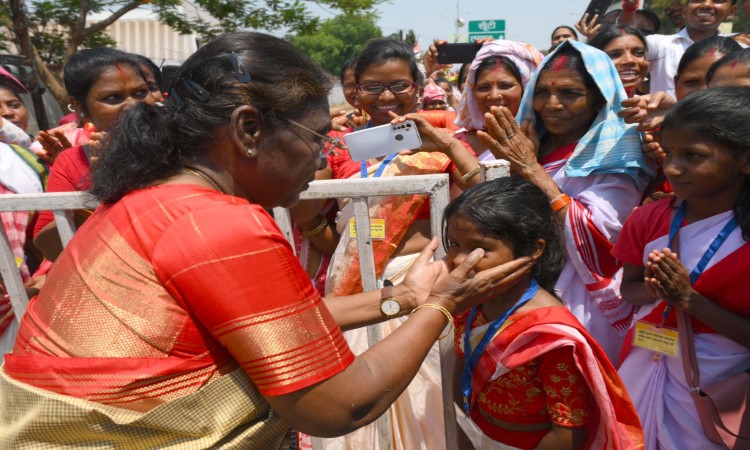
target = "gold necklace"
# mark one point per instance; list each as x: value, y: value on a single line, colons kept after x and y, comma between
x: 204, y: 178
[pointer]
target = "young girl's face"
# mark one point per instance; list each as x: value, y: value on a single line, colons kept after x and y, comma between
x: 464, y: 237
x: 693, y: 77
x: 699, y: 168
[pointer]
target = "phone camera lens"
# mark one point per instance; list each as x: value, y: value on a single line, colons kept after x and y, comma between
x: 399, y: 137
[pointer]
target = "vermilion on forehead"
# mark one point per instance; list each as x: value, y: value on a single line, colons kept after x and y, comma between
x: 560, y: 63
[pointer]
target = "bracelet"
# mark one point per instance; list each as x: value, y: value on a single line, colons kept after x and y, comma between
x: 445, y: 312
x: 470, y: 174
x: 560, y: 202
x: 321, y: 226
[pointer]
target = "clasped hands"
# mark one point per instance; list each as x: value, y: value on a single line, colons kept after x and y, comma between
x: 667, y: 279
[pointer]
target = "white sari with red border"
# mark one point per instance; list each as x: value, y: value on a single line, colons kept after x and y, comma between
x: 590, y: 282
x: 657, y: 385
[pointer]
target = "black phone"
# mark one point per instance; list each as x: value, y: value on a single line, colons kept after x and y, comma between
x: 462, y: 53
x: 597, y: 7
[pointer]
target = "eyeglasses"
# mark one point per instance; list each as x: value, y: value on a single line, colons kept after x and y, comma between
x: 332, y: 142
x: 399, y: 87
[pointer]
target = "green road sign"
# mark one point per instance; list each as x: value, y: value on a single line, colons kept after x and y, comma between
x: 494, y: 29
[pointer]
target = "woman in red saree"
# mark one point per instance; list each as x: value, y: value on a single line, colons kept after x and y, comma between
x: 178, y: 316
x: 528, y: 375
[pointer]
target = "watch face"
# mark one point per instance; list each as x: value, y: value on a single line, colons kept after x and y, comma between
x: 390, y: 307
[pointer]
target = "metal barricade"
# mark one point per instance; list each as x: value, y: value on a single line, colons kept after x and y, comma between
x: 62, y: 205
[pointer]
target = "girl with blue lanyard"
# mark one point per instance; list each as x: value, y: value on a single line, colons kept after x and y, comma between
x: 690, y: 254
x: 528, y: 374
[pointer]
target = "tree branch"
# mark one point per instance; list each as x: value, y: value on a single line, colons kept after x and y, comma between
x: 94, y: 28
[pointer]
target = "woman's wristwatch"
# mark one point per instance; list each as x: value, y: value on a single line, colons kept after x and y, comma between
x: 389, y: 306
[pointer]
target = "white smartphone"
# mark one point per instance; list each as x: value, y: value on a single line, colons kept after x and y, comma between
x: 382, y: 140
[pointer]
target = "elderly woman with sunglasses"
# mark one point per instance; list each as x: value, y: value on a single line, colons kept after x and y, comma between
x: 178, y: 316
x: 388, y: 82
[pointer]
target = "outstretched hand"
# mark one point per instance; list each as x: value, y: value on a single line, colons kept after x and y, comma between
x: 52, y: 143
x: 648, y: 111
x: 506, y: 140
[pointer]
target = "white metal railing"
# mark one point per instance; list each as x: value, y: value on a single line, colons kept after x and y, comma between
x: 61, y: 204
x: 436, y: 186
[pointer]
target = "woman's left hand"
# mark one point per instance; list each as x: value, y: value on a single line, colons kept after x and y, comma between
x: 506, y: 140
x: 97, y: 143
x: 433, y: 139
x: 669, y: 279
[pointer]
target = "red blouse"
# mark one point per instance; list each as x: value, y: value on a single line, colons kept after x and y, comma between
x: 550, y: 390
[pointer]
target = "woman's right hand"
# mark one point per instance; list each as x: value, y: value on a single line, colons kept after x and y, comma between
x: 648, y: 111
x: 53, y: 143
x: 430, y: 58
x: 507, y: 140
x: 462, y: 288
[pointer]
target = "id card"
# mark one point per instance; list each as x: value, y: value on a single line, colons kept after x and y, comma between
x: 658, y: 339
x: 377, y: 229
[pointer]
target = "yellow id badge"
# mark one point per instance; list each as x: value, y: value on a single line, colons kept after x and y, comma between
x: 377, y: 229
x: 657, y: 339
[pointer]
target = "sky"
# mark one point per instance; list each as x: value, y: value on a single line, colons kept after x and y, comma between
x: 530, y: 21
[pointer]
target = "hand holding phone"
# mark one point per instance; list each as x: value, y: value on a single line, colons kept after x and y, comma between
x: 597, y: 7
x: 379, y: 141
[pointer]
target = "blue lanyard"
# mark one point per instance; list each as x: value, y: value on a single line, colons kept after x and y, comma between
x: 472, y: 358
x: 712, y: 249
x: 381, y: 169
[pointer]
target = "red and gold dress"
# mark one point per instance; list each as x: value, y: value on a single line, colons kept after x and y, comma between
x: 167, y: 291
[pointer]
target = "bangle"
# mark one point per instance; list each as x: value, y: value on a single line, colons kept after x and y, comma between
x: 560, y: 202
x: 321, y: 226
x: 470, y: 174
x: 445, y: 312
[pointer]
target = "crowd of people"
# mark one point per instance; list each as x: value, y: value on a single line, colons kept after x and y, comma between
x: 179, y: 316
